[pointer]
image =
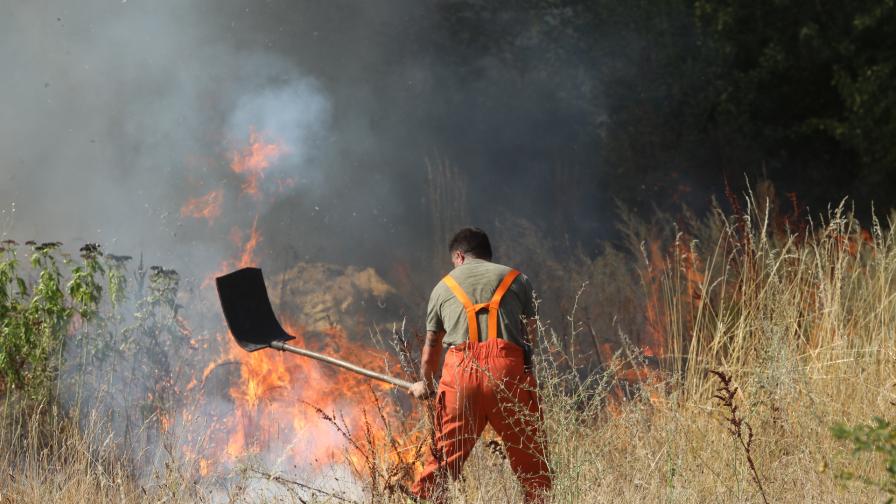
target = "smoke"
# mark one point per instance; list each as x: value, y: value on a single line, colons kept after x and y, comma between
x: 115, y: 113
x: 296, y: 113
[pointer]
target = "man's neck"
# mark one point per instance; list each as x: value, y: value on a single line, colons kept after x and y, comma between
x: 472, y: 260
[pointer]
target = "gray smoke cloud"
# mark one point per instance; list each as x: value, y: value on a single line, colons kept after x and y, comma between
x: 116, y: 113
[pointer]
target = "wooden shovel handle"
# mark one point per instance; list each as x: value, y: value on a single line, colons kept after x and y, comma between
x: 279, y: 345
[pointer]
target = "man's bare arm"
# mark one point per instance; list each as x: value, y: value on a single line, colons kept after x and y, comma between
x: 430, y: 364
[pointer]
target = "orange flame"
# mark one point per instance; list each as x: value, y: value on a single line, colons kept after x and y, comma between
x: 661, y: 269
x: 274, y: 403
x: 655, y: 330
x: 204, y: 468
x: 252, y: 160
x: 273, y: 395
x: 206, y: 207
x: 247, y: 258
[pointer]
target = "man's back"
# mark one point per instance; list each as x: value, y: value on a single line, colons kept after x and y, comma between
x: 479, y: 279
x: 486, y: 376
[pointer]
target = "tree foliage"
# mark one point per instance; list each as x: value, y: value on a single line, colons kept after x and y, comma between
x: 690, y: 92
x: 812, y: 84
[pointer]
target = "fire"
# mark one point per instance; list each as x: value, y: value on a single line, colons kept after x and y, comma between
x: 252, y: 160
x: 274, y: 400
x: 204, y: 468
x: 206, y: 207
x: 675, y: 266
x: 655, y: 330
x: 247, y: 258
x: 682, y: 265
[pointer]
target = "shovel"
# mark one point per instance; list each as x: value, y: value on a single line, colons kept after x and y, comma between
x: 247, y: 308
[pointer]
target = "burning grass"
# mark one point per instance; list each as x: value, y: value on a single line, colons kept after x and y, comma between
x: 800, y: 321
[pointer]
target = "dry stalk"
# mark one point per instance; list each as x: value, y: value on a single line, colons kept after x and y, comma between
x: 386, y: 478
x: 739, y: 428
x: 277, y: 478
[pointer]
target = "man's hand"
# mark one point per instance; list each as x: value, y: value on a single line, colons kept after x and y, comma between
x: 430, y: 362
x: 421, y: 391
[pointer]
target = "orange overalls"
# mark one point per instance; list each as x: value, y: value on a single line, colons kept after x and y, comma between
x: 486, y: 383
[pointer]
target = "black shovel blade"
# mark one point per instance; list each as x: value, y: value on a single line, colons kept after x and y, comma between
x: 247, y: 308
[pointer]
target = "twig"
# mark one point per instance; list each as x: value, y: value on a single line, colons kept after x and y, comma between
x: 282, y: 480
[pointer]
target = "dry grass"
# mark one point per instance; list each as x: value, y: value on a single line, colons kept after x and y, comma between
x: 45, y: 458
x: 803, y: 323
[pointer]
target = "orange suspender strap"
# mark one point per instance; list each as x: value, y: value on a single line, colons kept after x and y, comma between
x: 473, y: 309
x: 496, y: 303
x: 470, y: 308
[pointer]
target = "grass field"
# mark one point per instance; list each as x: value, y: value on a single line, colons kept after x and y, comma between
x: 803, y: 320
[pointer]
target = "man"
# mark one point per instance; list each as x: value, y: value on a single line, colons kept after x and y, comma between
x: 484, y: 315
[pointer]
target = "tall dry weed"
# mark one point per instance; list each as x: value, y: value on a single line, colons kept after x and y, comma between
x: 803, y: 317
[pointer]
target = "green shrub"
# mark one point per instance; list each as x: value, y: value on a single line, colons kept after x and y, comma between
x: 877, y: 437
x: 39, y: 306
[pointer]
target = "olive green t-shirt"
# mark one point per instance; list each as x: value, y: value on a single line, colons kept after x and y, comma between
x: 479, y: 279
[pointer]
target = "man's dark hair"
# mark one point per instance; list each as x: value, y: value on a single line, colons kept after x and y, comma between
x: 472, y: 241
